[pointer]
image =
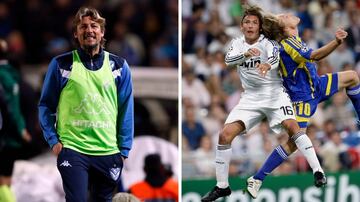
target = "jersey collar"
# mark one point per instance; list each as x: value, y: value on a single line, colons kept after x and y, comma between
x: 261, y: 37
x: 86, y: 57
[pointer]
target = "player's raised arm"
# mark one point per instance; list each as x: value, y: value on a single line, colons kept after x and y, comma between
x: 324, y: 51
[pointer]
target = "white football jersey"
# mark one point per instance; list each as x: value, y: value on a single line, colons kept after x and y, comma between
x: 251, y: 80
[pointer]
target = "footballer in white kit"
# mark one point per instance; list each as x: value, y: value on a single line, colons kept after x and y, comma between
x: 264, y: 96
x: 257, y: 61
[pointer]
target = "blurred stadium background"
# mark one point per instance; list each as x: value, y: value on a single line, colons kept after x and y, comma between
x: 144, y: 32
x: 210, y: 91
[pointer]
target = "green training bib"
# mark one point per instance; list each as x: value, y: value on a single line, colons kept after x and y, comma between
x: 88, y: 109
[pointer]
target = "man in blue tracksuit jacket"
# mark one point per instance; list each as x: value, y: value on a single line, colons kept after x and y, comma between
x: 86, y: 112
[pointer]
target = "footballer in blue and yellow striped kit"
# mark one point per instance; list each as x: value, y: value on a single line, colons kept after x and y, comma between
x: 305, y: 87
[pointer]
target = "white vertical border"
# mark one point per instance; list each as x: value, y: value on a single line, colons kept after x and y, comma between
x: 180, y: 98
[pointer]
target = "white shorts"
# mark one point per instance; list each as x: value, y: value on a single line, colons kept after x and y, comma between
x: 251, y: 109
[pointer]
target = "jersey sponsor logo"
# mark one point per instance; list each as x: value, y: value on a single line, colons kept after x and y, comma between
x: 65, y: 164
x: 91, y: 124
x: 93, y: 105
x: 251, y: 64
x: 114, y: 173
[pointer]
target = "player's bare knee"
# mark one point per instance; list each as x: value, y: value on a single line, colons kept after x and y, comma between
x: 352, y: 77
x: 355, y: 78
x: 349, y: 79
x: 291, y: 126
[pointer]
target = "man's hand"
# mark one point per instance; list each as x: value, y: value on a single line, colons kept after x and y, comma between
x: 340, y: 35
x: 56, y: 149
x: 26, y: 135
x: 252, y: 52
x: 263, y: 68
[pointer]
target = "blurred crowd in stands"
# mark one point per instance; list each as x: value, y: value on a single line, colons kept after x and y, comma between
x: 210, y: 90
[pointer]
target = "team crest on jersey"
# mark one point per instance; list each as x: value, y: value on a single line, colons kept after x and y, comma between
x: 114, y: 173
x: 304, y: 48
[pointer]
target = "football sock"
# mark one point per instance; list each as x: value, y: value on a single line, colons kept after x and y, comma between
x: 304, y: 144
x: 6, y: 195
x: 277, y: 156
x: 222, y: 161
x: 354, y: 95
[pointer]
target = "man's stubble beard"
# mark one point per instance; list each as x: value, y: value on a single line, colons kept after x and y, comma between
x: 90, y: 48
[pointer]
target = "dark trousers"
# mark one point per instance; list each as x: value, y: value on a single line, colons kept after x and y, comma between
x: 7, y: 158
x: 80, y: 172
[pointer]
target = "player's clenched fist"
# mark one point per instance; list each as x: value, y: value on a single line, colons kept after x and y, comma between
x: 340, y: 35
x: 263, y: 68
x: 252, y: 52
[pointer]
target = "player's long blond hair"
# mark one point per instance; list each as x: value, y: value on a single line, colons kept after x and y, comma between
x: 273, y: 29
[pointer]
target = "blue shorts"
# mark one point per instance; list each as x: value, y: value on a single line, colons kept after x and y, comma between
x: 305, y: 109
x: 80, y: 172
